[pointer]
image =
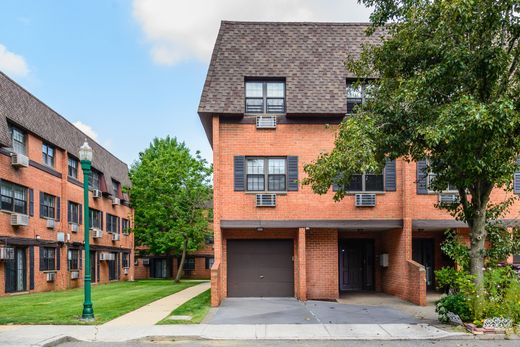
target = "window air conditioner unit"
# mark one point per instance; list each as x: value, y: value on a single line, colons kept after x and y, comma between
x: 96, y: 193
x: 51, y: 276
x: 74, y: 227
x: 266, y: 122
x: 116, y: 201
x: 74, y: 275
x: 445, y: 198
x: 146, y: 261
x: 116, y: 237
x: 19, y: 160
x: 18, y: 219
x: 96, y: 233
x: 106, y: 256
x: 60, y: 236
x: 125, y: 271
x: 265, y: 200
x: 50, y: 223
x: 6, y: 253
x: 365, y: 200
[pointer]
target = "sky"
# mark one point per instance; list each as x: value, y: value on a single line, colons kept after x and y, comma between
x: 127, y: 71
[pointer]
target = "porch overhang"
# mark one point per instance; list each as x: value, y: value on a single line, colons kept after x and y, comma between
x: 443, y: 224
x: 349, y: 224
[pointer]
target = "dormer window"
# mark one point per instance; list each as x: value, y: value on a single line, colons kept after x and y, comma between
x: 265, y: 97
x: 18, y: 139
x: 357, y: 93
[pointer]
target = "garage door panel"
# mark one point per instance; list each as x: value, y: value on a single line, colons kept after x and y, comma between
x: 260, y: 268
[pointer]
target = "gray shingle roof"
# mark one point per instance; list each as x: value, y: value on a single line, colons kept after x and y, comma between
x: 22, y: 108
x: 310, y: 56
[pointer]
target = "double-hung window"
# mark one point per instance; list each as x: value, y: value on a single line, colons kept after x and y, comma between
x: 18, y: 139
x: 366, y: 182
x: 265, y: 96
x: 49, y: 259
x: 189, y: 264
x: 74, y: 259
x: 73, y: 212
x: 266, y: 174
x: 13, y: 197
x: 125, y: 225
x: 115, y: 189
x: 209, y: 262
x: 94, y: 179
x: 48, y: 154
x: 112, y: 222
x: 48, y: 206
x: 73, y: 168
x: 95, y: 219
x: 357, y: 93
x: 125, y: 260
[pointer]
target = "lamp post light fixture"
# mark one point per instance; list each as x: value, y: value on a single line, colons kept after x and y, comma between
x: 85, y: 156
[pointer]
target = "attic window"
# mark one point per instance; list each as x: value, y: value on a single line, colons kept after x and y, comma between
x: 357, y: 93
x: 265, y: 97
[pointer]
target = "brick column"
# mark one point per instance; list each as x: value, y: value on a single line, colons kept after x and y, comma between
x: 302, y: 266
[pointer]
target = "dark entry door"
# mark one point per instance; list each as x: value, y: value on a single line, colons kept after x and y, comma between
x: 159, y: 268
x: 423, y: 251
x: 16, y: 272
x: 261, y: 268
x: 356, y: 265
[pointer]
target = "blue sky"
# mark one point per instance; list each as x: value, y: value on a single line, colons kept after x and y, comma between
x: 132, y: 70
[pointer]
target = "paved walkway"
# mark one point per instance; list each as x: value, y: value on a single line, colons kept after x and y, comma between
x: 152, y: 313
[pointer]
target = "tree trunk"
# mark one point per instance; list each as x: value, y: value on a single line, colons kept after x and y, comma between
x: 180, y: 271
x: 478, y: 241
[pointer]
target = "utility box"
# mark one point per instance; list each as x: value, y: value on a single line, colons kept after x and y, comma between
x: 383, y: 260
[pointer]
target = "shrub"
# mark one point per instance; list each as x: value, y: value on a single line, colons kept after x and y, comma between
x: 455, y: 303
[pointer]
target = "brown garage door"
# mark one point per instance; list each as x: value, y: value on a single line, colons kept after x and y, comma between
x: 262, y: 268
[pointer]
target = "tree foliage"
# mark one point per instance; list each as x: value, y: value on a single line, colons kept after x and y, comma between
x: 170, y: 188
x: 446, y: 87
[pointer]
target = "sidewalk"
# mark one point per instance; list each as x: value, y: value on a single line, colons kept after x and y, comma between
x: 45, y: 335
x: 152, y: 313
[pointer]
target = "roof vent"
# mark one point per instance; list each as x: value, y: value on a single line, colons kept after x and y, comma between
x: 266, y: 122
x: 365, y: 200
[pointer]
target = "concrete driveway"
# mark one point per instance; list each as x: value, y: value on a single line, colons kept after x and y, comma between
x: 292, y: 311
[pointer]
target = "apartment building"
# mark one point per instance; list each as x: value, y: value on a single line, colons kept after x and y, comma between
x: 272, y: 100
x: 41, y: 216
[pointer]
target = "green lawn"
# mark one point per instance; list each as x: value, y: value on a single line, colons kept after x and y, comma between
x: 197, y: 308
x: 65, y: 307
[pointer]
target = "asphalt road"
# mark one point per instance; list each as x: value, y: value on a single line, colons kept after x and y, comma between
x: 309, y: 343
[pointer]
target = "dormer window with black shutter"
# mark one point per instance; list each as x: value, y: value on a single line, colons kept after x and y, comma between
x: 357, y: 93
x: 265, y: 97
x: 94, y: 180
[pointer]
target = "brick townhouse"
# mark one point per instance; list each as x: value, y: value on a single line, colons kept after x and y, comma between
x: 41, y: 217
x: 272, y: 100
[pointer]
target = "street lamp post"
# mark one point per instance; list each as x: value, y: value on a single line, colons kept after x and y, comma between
x: 85, y: 155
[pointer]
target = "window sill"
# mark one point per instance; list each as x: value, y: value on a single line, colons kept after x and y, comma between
x: 366, y: 192
x: 263, y: 192
x: 12, y: 212
x: 249, y: 114
x: 49, y: 271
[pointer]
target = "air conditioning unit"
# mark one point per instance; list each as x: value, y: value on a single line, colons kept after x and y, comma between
x: 96, y: 193
x: 96, y: 233
x: 451, y: 198
x: 116, y: 237
x: 125, y: 271
x: 106, y: 256
x: 365, y: 200
x: 146, y: 261
x: 51, y: 276
x: 50, y: 223
x: 74, y: 275
x: 74, y: 227
x: 60, y: 236
x: 6, y: 253
x: 116, y: 201
x: 18, y: 219
x: 265, y: 200
x: 265, y: 122
x: 19, y: 160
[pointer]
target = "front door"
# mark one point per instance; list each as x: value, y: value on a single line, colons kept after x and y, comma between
x: 423, y: 253
x: 159, y: 268
x: 356, y: 264
x: 16, y: 272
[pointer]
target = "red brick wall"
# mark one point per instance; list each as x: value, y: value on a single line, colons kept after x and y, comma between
x: 37, y: 231
x: 322, y: 264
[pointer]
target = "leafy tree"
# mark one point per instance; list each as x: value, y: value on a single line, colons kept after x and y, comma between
x: 170, y: 188
x: 447, y: 89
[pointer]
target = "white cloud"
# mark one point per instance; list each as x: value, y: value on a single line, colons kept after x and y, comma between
x: 12, y: 63
x: 87, y: 129
x: 183, y: 30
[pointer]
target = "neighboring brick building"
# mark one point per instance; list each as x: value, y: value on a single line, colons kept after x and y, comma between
x: 41, y: 217
x: 272, y: 100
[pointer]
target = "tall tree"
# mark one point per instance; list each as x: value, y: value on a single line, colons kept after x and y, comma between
x: 446, y: 88
x: 170, y: 188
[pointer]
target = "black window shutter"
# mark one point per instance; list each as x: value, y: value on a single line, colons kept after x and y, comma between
x: 69, y: 260
x: 80, y: 258
x: 42, y: 267
x: 292, y: 174
x: 119, y: 225
x: 31, y: 267
x: 31, y: 202
x: 97, y: 266
x: 239, y: 163
x: 101, y: 216
x: 390, y: 176
x: 422, y: 177
x: 80, y: 219
x: 118, y: 256
x: 58, y: 262
x: 69, y: 207
x: 41, y: 204
x: 58, y: 208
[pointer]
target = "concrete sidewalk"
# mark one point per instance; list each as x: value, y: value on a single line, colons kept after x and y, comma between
x: 45, y: 335
x: 152, y: 313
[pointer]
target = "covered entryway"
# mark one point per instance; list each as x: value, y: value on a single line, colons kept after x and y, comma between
x: 16, y: 271
x: 423, y: 251
x: 260, y: 268
x: 356, y: 264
